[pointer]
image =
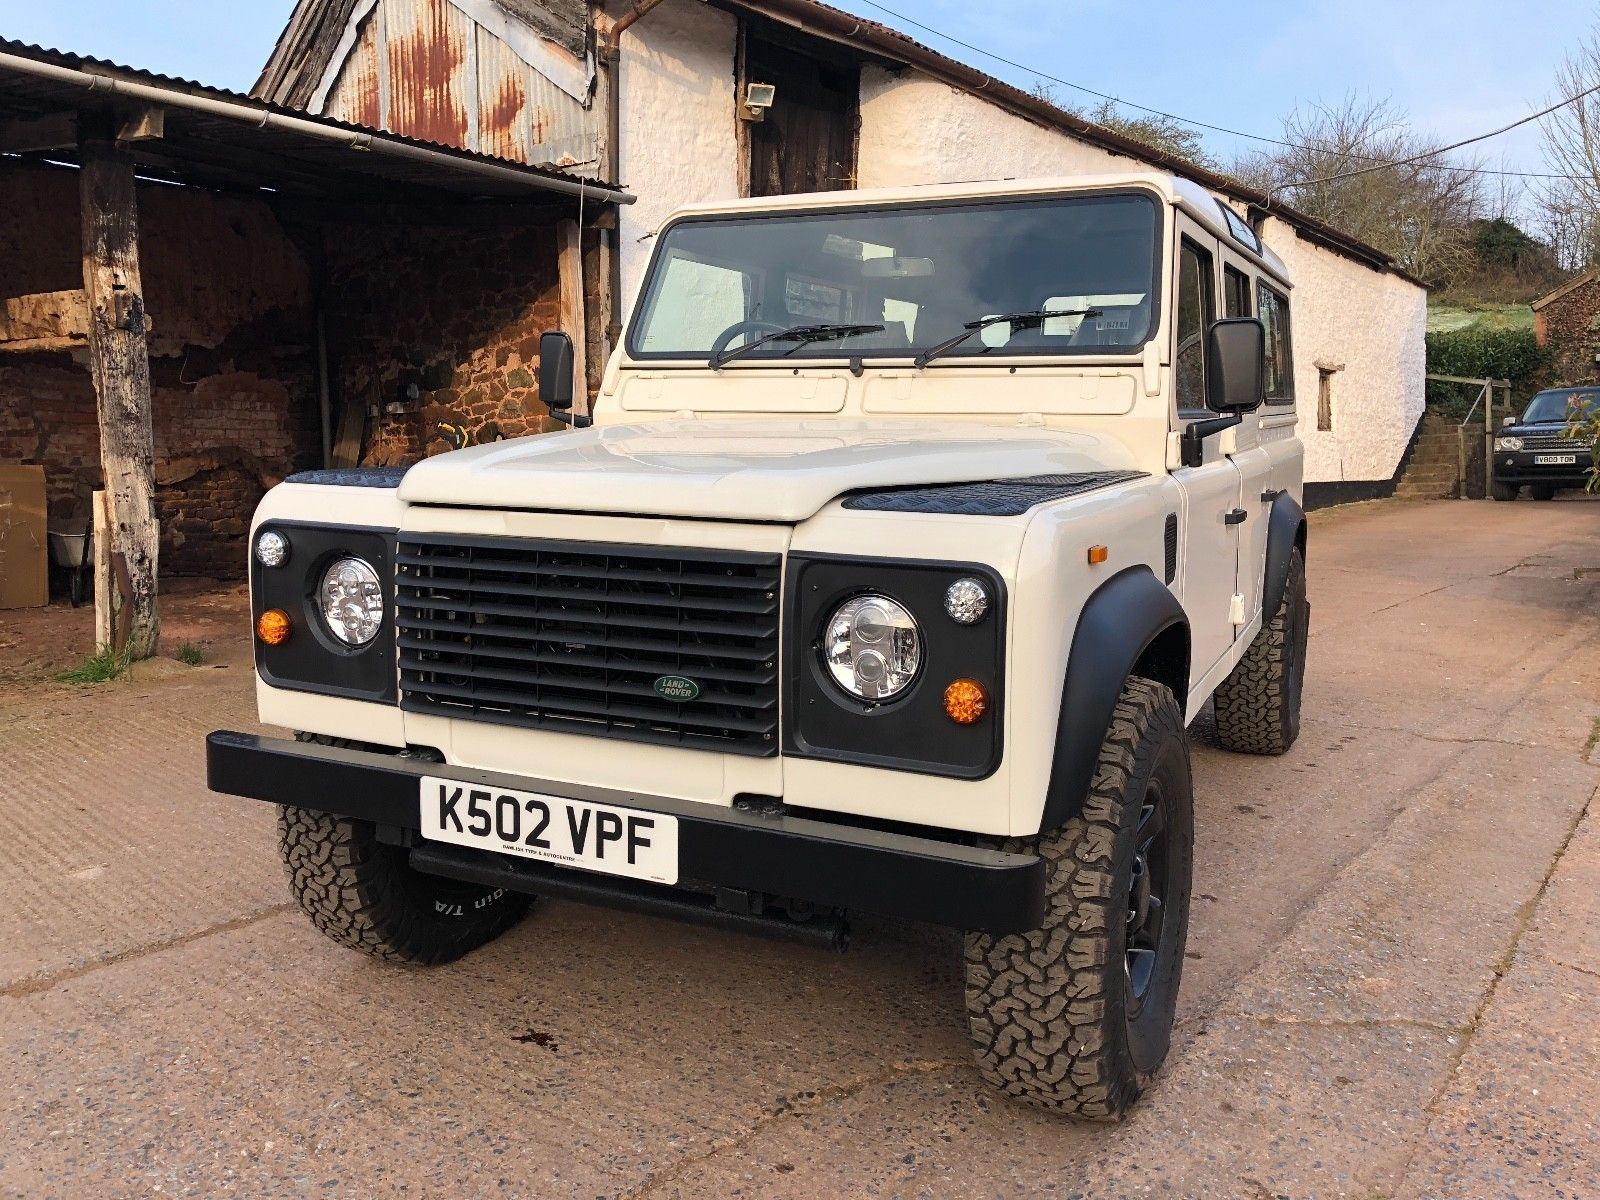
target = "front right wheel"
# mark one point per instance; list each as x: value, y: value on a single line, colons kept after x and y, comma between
x: 1076, y: 1015
x: 1503, y: 491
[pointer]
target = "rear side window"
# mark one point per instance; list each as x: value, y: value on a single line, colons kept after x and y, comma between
x: 1195, y: 310
x: 1280, y: 360
x: 1235, y: 293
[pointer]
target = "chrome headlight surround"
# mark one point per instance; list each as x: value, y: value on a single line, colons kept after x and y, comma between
x: 1508, y: 443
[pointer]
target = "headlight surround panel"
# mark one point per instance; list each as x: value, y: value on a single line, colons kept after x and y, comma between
x: 314, y: 659
x: 1511, y: 443
x: 910, y: 731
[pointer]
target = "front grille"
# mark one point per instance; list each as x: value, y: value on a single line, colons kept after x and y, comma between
x: 575, y: 637
x: 1543, y: 442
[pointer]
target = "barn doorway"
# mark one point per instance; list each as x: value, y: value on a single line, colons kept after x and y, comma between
x: 806, y: 140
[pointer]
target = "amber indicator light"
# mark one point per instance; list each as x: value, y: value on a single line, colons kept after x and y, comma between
x: 272, y: 627
x: 965, y: 701
x: 1098, y: 554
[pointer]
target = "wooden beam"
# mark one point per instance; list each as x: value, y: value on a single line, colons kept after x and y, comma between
x: 143, y: 125
x: 30, y: 135
x: 569, y: 262
x: 120, y: 364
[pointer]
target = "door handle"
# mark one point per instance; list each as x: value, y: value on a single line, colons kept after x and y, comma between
x: 1234, y: 516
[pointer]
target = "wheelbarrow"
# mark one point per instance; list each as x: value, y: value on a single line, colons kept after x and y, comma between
x: 72, y: 549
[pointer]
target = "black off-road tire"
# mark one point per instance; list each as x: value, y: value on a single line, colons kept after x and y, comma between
x: 363, y: 893
x: 1052, y: 1012
x: 1542, y: 491
x: 1258, y: 704
x: 1503, y: 491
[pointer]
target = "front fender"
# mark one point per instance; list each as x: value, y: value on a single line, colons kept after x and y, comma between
x: 1133, y: 619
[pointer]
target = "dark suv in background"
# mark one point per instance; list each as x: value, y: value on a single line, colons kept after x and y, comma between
x: 1535, y: 450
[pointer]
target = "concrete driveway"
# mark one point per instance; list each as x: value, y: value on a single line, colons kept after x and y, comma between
x: 1393, y: 987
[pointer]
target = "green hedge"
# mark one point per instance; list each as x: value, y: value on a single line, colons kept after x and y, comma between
x: 1477, y: 353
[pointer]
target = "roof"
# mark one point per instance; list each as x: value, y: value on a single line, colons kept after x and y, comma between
x: 1566, y: 289
x: 212, y: 137
x: 825, y: 21
x: 1194, y: 199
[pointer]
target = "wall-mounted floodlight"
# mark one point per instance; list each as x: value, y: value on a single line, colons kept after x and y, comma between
x: 758, y: 97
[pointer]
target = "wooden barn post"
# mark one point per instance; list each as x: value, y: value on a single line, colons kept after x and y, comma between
x: 120, y: 364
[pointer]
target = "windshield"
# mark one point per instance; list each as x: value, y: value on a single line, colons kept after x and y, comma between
x: 922, y: 272
x: 1561, y: 404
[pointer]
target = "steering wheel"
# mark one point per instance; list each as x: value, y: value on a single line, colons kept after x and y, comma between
x: 738, y: 327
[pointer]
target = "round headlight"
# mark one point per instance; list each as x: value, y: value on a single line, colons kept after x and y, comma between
x: 966, y: 600
x: 872, y: 647
x: 351, y: 599
x: 1508, y: 443
x: 272, y: 549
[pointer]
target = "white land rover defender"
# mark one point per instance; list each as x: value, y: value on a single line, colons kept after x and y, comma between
x: 910, y: 531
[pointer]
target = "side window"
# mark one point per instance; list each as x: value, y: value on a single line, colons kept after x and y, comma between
x: 1280, y: 361
x: 1235, y: 293
x: 1196, y: 309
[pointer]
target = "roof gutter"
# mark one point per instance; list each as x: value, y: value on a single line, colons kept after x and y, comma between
x: 264, y: 118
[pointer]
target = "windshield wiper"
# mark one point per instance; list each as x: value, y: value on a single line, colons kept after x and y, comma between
x: 800, y: 333
x: 1023, y: 320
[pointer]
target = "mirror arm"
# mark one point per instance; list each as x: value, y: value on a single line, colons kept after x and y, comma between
x: 575, y: 420
x: 1195, y: 434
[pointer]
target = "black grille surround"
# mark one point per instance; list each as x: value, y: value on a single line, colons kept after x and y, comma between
x: 575, y: 637
x: 1544, y: 442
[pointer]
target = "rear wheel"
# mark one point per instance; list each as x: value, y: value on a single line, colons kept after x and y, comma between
x: 1258, y: 704
x: 1503, y: 491
x: 363, y: 893
x: 1542, y: 491
x: 1076, y: 1016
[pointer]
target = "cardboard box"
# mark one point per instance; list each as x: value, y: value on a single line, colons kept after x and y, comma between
x: 24, y: 544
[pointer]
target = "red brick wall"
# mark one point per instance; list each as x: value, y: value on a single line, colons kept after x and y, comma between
x: 1572, y: 333
x: 233, y: 385
x: 455, y: 314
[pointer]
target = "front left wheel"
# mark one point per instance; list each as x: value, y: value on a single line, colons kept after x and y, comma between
x: 1076, y: 1015
x: 364, y: 894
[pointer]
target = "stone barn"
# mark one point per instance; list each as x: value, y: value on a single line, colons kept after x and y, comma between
x: 657, y: 93
x: 1567, y: 324
x: 312, y: 292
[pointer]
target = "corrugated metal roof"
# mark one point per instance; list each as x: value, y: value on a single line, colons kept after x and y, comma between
x: 285, y: 150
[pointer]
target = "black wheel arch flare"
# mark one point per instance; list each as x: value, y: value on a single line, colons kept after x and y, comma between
x: 1286, y: 531
x: 1131, y: 624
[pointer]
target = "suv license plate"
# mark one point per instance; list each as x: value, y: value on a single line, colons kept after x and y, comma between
x: 569, y: 833
x: 1555, y: 460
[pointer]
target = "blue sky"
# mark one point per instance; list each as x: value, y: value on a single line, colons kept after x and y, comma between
x: 1458, y: 66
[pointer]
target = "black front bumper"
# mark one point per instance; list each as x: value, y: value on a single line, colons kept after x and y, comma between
x: 1520, y: 468
x: 720, y: 850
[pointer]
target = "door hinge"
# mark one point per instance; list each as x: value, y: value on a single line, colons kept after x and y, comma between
x: 1271, y: 494
x: 1236, y: 610
x: 1234, y: 516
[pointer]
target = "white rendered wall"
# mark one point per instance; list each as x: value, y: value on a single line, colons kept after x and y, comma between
x: 679, y: 143
x: 1370, y: 323
x: 917, y: 130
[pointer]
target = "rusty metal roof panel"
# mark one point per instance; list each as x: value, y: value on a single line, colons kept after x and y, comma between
x: 236, y: 149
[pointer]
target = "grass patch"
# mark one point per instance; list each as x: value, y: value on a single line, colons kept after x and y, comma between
x: 104, y: 665
x: 1594, y: 740
x: 1450, y: 318
x: 190, y: 654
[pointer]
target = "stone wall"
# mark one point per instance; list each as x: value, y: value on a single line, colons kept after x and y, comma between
x: 1571, y: 331
x: 232, y: 367
x: 432, y: 325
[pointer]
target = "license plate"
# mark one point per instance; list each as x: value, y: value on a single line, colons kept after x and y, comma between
x: 1555, y: 460
x: 553, y: 829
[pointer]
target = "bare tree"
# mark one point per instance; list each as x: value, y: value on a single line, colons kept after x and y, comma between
x: 1571, y: 205
x: 1166, y: 134
x: 1420, y: 213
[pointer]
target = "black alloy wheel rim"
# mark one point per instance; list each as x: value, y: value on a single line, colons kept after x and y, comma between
x: 1147, y: 891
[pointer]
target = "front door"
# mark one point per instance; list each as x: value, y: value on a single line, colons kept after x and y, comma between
x: 1212, y: 492
x: 805, y: 142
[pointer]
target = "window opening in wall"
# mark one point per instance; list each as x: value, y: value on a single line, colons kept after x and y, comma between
x: 1325, y: 376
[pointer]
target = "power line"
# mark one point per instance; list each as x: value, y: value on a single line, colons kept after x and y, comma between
x: 1190, y: 121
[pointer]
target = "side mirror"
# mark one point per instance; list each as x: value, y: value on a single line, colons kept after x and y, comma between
x: 1236, y: 365
x: 555, y: 377
x: 1507, y: 422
